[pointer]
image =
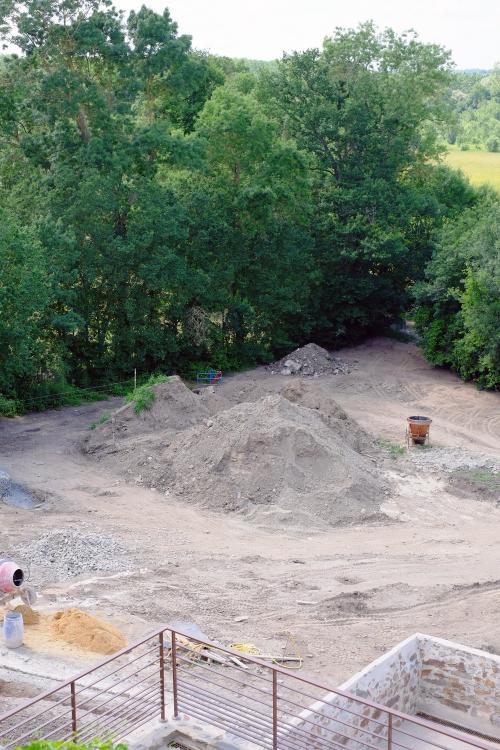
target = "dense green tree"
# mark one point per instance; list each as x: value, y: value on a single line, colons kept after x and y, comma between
x: 358, y: 107
x: 27, y: 349
x: 458, y: 310
x: 163, y: 207
x: 249, y: 222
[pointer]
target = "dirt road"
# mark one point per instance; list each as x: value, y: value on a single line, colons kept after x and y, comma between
x: 346, y: 594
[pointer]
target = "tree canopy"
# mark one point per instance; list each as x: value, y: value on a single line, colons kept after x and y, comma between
x: 163, y: 208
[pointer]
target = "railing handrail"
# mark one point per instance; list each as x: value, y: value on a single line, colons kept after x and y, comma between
x: 391, y: 712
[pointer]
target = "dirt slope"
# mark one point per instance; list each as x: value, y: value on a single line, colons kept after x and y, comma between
x: 347, y: 593
x: 277, y: 462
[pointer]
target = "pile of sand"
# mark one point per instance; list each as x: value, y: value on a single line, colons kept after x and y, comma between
x: 81, y: 629
x: 310, y: 360
x: 276, y: 460
x: 30, y: 616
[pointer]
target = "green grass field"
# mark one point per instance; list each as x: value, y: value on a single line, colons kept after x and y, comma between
x: 481, y: 167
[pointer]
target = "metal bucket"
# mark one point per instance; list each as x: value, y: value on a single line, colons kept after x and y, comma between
x: 418, y: 428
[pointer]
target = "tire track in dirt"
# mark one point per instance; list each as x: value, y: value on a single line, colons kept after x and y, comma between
x: 392, y: 379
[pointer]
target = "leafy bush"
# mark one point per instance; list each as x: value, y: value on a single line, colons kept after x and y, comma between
x: 9, y: 407
x: 493, y: 144
x: 458, y: 306
x: 58, y: 745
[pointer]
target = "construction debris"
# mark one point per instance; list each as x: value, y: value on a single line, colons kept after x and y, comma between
x: 310, y: 360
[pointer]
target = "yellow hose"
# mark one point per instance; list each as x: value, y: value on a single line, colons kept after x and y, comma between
x: 252, y: 650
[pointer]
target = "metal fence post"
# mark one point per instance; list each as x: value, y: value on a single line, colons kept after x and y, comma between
x: 162, y: 678
x: 275, y: 711
x: 173, y: 652
x: 73, y: 708
x: 389, y: 732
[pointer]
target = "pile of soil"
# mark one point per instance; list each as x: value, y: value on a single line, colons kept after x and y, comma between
x: 310, y: 360
x: 81, y: 629
x: 291, y: 458
x: 275, y: 461
x: 317, y: 395
x: 174, y: 408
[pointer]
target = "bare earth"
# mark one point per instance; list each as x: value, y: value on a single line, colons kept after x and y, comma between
x: 345, y: 593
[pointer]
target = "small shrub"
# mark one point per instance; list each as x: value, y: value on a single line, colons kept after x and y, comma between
x: 68, y: 745
x: 9, y: 407
x: 493, y: 145
x: 143, y: 396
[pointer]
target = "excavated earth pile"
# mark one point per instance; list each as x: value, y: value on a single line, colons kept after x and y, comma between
x: 310, y: 360
x: 317, y: 396
x: 126, y: 433
x: 276, y: 462
x: 291, y: 458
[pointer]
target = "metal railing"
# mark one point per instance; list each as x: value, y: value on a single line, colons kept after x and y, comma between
x: 263, y: 704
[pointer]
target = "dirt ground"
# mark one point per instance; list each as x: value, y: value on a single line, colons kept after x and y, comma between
x: 346, y: 593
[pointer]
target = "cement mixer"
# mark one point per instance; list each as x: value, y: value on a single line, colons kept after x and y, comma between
x: 13, y: 583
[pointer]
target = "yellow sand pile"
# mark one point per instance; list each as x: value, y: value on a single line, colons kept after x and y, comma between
x: 83, y: 630
x: 30, y: 617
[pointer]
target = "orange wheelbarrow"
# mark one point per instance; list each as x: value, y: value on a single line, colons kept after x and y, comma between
x: 417, y: 431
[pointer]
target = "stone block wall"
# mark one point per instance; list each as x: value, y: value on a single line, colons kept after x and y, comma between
x: 439, y: 678
x: 391, y: 680
x: 460, y: 685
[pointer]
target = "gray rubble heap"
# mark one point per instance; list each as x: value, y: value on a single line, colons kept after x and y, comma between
x: 310, y: 360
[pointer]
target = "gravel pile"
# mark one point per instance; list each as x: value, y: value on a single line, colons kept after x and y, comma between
x: 309, y: 361
x: 65, y: 553
x: 451, y: 459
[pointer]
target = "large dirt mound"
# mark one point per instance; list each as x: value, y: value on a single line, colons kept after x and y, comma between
x: 275, y: 460
x: 174, y: 408
x: 317, y: 395
x: 310, y: 360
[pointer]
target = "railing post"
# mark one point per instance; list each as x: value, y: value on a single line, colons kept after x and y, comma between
x: 162, y: 678
x: 275, y: 711
x: 389, y: 731
x: 173, y: 652
x: 73, y: 708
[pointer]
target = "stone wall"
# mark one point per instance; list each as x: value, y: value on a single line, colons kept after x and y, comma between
x: 460, y: 685
x: 444, y: 680
x: 391, y: 680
